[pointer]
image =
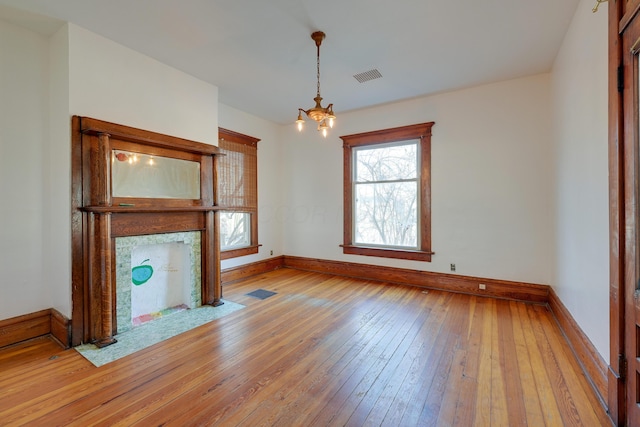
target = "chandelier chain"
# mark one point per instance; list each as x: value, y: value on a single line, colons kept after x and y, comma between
x: 318, y: 68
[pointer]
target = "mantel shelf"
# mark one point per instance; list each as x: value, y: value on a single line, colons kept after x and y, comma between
x: 151, y: 209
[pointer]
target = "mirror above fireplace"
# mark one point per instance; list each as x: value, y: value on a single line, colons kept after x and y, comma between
x: 145, y: 175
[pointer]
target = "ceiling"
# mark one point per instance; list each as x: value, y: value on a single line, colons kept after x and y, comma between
x: 261, y: 57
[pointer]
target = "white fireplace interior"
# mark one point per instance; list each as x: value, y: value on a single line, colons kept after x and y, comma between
x: 156, y: 275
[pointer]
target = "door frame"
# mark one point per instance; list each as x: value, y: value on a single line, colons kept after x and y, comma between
x: 624, y: 226
x: 616, y: 401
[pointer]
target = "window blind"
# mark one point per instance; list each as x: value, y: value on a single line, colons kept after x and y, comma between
x: 238, y: 176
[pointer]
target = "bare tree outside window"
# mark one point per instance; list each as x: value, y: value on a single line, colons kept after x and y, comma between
x: 235, y: 230
x: 386, y: 195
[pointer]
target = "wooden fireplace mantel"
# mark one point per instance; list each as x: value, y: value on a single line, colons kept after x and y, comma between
x: 98, y: 218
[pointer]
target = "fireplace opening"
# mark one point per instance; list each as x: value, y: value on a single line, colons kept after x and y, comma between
x: 156, y: 275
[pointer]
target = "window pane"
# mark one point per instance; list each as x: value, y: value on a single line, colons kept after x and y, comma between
x: 235, y: 230
x: 386, y: 163
x: 386, y: 214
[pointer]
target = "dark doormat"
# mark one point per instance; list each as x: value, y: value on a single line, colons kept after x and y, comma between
x: 261, y: 293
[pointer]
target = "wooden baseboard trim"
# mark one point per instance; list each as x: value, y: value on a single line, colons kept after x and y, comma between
x: 447, y: 282
x: 25, y: 327
x: 594, y: 366
x: 616, y: 405
x: 61, y: 328
x: 33, y: 325
x: 230, y: 275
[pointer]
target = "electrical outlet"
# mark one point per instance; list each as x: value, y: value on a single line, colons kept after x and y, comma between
x: 271, y: 253
x: 482, y: 286
x: 453, y: 267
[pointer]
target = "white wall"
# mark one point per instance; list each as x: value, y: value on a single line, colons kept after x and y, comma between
x: 270, y: 190
x: 23, y: 129
x: 491, y: 183
x: 111, y: 82
x: 579, y: 83
x: 57, y: 177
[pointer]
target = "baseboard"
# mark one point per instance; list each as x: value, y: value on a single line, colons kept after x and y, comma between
x: 33, y: 325
x: 61, y: 328
x: 447, y: 282
x: 230, y: 275
x: 25, y: 327
x: 594, y: 366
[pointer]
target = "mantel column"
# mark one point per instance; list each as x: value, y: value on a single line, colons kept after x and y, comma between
x: 211, y: 275
x: 100, y: 260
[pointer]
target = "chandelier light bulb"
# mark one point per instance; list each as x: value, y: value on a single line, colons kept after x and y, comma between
x: 323, y: 127
x: 330, y: 115
x: 300, y: 121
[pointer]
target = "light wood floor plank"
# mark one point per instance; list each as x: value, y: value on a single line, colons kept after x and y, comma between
x: 483, y: 393
x: 324, y: 350
x: 550, y: 407
x: 508, y: 357
x: 466, y: 403
x: 528, y: 393
x: 434, y: 396
x: 499, y: 412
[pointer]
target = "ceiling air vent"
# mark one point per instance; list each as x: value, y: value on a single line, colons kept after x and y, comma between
x: 368, y: 75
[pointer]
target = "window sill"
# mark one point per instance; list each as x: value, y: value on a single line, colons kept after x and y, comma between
x: 237, y: 252
x: 388, y: 253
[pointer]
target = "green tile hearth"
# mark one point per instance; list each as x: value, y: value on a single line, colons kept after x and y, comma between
x: 153, y: 332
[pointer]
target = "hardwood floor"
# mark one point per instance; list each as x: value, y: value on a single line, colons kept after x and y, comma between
x: 324, y: 350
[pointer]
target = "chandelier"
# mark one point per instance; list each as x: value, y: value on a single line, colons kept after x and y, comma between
x: 323, y: 116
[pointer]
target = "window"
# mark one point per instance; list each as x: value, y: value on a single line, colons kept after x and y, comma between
x: 387, y: 193
x: 238, y: 194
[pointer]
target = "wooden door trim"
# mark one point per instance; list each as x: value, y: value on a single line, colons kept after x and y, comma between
x: 629, y: 163
x: 616, y: 400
